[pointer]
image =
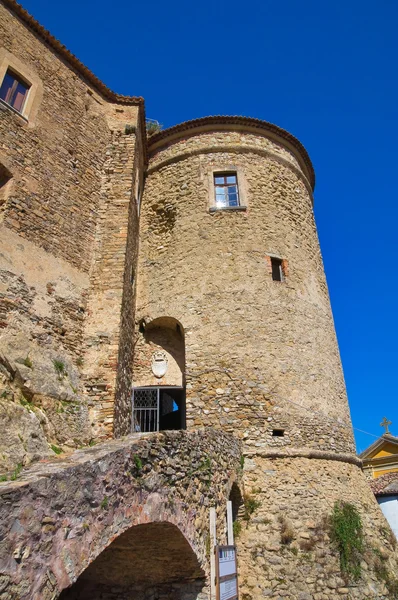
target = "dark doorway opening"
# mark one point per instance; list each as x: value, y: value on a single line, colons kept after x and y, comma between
x: 158, y: 409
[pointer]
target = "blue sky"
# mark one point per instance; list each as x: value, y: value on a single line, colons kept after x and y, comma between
x: 326, y: 72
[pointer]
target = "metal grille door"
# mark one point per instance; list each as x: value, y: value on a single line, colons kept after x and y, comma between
x: 146, y: 410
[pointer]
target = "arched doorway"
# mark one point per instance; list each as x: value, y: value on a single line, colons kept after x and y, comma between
x: 153, y: 560
x: 159, y: 377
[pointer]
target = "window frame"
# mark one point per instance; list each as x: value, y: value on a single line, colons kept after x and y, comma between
x: 22, y: 71
x: 223, y: 170
x: 13, y: 90
x: 226, y: 186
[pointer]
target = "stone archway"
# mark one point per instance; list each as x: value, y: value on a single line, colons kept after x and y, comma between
x: 67, y: 520
x: 150, y: 559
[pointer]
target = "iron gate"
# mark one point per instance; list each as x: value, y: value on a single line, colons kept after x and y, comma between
x: 146, y: 410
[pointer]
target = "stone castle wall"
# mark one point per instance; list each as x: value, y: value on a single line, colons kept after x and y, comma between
x: 68, y: 219
x: 285, y: 548
x: 260, y: 355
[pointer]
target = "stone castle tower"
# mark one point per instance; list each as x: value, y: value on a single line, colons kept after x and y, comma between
x: 165, y: 283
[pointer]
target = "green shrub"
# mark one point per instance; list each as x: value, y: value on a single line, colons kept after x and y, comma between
x: 56, y: 449
x: 347, y: 535
x: 237, y: 528
x: 59, y: 367
x: 16, y: 472
x: 138, y: 463
x: 251, y: 505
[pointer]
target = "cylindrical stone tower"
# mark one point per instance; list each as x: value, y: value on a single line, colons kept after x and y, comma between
x: 232, y: 298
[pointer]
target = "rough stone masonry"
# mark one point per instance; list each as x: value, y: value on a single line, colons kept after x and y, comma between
x: 123, y: 272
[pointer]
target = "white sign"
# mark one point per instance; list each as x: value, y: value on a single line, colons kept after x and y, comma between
x: 226, y: 568
x: 227, y: 561
x: 229, y: 589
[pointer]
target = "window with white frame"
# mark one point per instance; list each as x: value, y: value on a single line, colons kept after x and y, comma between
x: 226, y: 190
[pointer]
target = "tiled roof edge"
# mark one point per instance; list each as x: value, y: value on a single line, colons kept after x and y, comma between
x: 237, y: 120
x: 70, y: 58
x: 380, y: 484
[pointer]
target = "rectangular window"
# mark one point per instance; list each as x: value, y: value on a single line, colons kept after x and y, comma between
x: 277, y: 270
x: 226, y: 190
x: 14, y: 91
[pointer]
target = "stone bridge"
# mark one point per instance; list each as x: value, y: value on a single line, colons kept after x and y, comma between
x: 125, y: 519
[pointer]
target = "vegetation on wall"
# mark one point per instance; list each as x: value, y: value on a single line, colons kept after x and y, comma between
x: 250, y: 505
x: 153, y: 127
x: 346, y: 533
x: 383, y: 574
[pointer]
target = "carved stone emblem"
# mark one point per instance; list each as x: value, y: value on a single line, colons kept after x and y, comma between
x: 159, y: 364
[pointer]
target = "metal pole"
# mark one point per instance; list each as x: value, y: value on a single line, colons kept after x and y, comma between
x: 230, y: 526
x: 157, y: 418
x: 213, y: 543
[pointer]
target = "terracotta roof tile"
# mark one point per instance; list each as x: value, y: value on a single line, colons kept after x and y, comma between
x: 385, y: 484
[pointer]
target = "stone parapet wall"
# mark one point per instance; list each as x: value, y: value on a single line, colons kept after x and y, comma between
x: 59, y: 516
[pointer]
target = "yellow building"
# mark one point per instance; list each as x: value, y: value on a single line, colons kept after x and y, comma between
x: 380, y: 464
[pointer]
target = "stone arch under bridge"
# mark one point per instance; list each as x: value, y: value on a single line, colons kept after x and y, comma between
x: 70, y: 525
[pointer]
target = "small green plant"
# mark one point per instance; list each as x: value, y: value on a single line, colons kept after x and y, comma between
x: 347, y: 536
x: 16, y: 472
x: 105, y: 503
x: 25, y: 403
x: 92, y: 443
x: 79, y: 361
x: 3, y: 478
x: 251, y: 505
x: 56, y: 449
x: 242, y: 462
x: 137, y: 463
x: 27, y: 362
x: 74, y: 389
x: 86, y: 526
x: 237, y: 528
x: 59, y: 367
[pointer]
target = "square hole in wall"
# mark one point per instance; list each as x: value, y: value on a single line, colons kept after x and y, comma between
x: 278, y: 432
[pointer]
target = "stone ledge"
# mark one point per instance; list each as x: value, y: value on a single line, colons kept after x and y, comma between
x: 298, y: 453
x: 216, y: 209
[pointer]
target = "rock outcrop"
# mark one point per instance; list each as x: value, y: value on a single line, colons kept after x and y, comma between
x: 41, y: 409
